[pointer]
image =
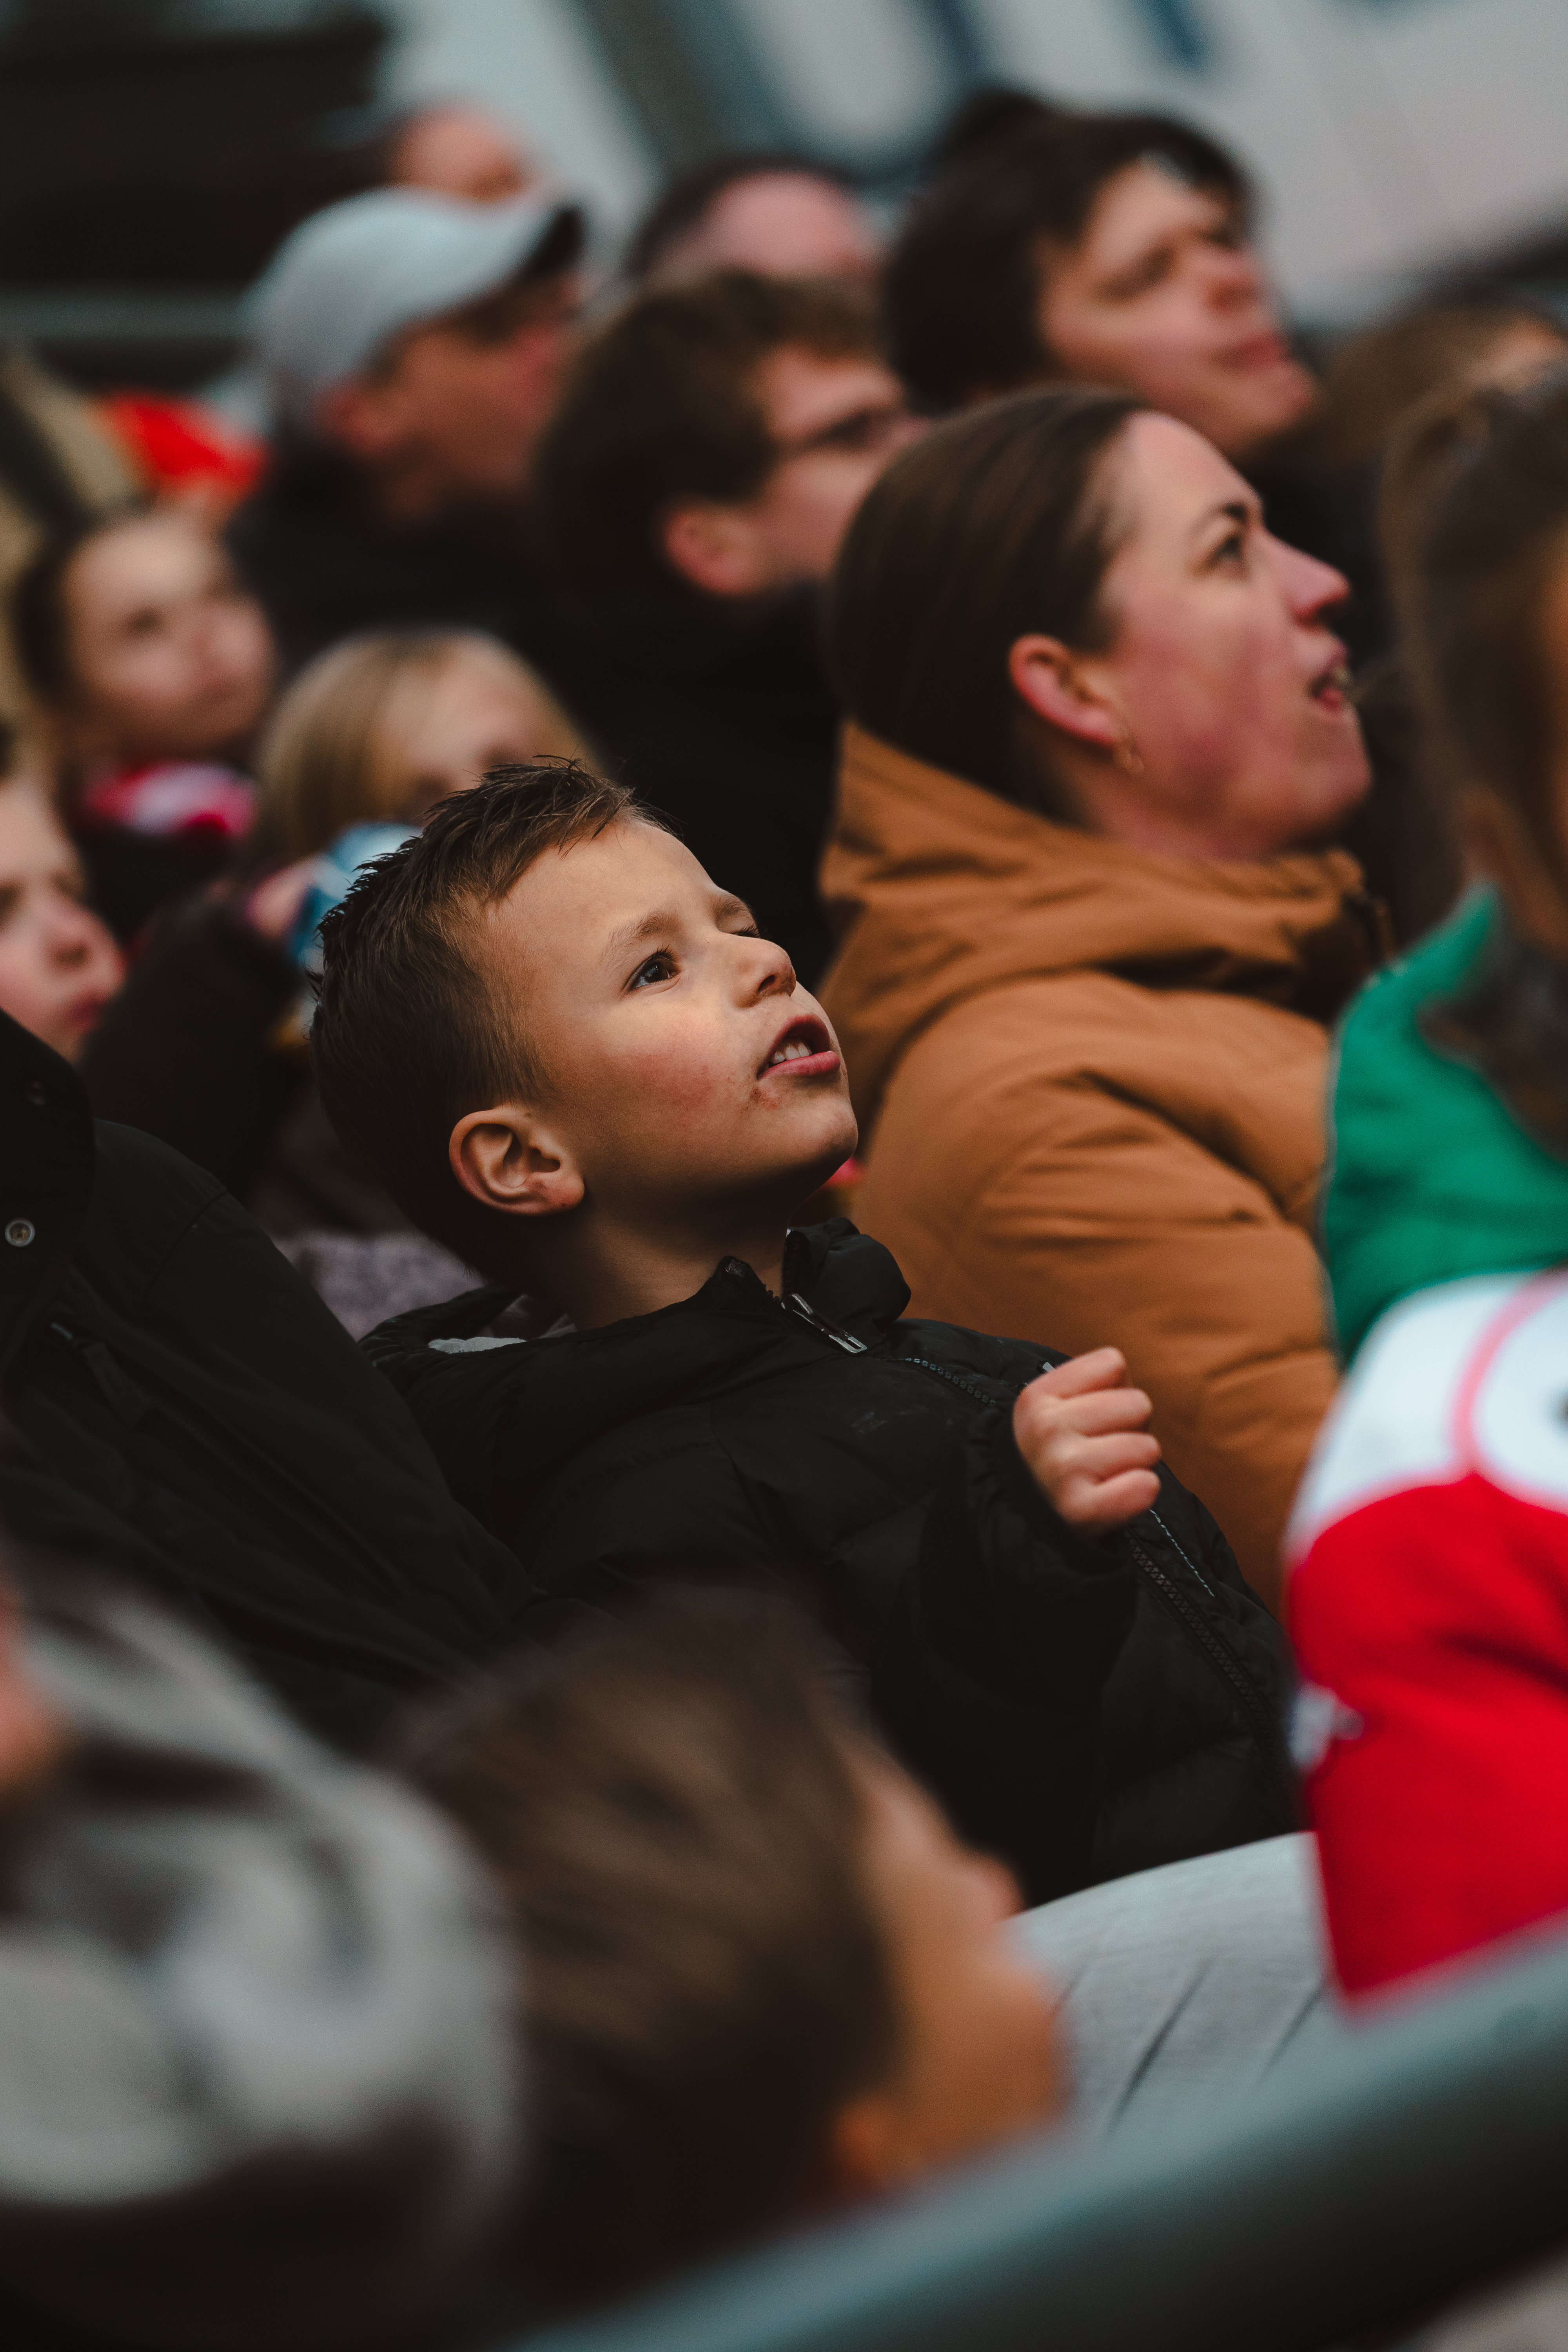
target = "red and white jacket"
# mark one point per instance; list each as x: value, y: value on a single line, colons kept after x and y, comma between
x: 1428, y: 1602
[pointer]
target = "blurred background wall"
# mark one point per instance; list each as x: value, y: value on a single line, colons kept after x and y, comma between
x: 152, y: 151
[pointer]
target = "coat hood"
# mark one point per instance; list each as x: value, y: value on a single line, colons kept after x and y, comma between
x: 941, y: 890
x: 1432, y: 1178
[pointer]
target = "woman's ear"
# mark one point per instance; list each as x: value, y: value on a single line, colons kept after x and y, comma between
x: 507, y: 1160
x: 1054, y: 683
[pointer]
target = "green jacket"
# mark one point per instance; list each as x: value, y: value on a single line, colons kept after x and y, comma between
x: 1432, y: 1177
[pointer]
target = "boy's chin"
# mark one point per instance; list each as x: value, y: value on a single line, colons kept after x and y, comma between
x: 806, y: 1181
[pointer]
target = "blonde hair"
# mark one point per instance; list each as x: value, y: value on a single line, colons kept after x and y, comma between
x: 329, y: 758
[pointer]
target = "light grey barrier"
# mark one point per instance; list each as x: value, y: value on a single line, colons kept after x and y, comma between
x: 1342, y: 2203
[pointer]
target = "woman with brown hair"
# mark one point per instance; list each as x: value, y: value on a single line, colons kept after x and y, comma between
x: 1098, y: 725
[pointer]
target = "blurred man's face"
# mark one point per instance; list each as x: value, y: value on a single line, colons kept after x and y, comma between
x: 1163, y: 294
x: 453, y: 415
x: 782, y: 225
x: 834, y: 424
x: 461, y: 151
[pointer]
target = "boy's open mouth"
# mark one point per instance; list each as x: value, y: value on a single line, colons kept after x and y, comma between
x: 805, y: 1045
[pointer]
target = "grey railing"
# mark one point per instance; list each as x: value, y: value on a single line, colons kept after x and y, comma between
x: 1343, y: 2203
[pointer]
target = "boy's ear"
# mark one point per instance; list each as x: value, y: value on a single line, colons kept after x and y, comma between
x: 508, y: 1159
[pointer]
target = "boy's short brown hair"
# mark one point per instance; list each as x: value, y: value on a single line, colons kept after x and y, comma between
x: 672, y: 1812
x: 410, y: 1034
x: 662, y: 405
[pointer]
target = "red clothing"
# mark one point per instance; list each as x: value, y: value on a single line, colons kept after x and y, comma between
x: 1428, y: 1601
x: 170, y: 796
x: 180, y: 445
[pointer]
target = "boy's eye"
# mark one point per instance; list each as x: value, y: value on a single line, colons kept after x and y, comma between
x: 657, y: 967
x: 1232, y: 548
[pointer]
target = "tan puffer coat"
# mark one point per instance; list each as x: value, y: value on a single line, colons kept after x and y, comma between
x: 1091, y: 1086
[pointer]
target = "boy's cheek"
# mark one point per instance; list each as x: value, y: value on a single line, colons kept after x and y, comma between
x: 667, y: 1081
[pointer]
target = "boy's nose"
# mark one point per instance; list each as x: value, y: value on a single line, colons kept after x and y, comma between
x: 774, y: 974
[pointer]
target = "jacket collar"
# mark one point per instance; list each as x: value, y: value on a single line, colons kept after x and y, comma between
x: 578, y: 1383
x: 942, y: 890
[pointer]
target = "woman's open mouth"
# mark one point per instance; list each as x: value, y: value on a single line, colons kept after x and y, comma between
x: 1331, y: 690
x: 804, y: 1049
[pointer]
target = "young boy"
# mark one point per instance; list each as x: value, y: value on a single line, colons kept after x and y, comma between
x: 570, y: 1057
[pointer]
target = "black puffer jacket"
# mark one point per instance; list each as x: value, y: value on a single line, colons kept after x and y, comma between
x: 1085, y: 1707
x: 178, y: 1406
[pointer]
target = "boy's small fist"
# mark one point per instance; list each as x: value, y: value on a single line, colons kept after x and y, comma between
x: 1084, y: 1437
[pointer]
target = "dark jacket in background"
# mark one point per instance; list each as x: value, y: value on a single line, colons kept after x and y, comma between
x: 189, y: 1051
x: 720, y: 714
x: 1086, y: 1708
x: 256, y: 2081
x: 182, y: 1407
x: 201, y: 1049
x: 324, y: 568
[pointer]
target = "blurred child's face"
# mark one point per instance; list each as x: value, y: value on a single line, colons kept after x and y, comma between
x: 684, y: 1067
x: 172, y: 658
x: 58, y: 963
x: 981, y: 2060
x: 444, y: 728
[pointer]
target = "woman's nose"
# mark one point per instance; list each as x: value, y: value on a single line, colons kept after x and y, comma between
x: 1311, y: 589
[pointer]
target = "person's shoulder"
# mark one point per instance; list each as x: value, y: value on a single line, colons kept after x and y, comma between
x: 954, y: 1347
x: 145, y: 1197
x: 1453, y: 1380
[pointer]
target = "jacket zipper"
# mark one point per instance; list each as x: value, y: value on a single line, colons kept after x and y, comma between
x: 1270, y: 1738
x: 805, y: 1312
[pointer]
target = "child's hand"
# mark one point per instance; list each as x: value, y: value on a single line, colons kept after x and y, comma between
x: 1083, y: 1436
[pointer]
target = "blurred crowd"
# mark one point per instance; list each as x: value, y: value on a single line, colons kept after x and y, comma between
x: 783, y: 1042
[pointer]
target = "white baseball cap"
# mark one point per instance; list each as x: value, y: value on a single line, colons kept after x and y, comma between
x: 349, y: 278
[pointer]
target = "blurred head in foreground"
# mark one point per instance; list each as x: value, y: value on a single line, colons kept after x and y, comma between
x: 58, y: 961
x: 772, y: 210
x: 384, y: 726
x: 1096, y: 248
x: 760, y: 1977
